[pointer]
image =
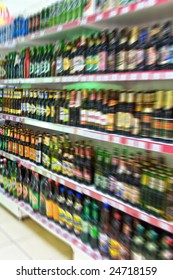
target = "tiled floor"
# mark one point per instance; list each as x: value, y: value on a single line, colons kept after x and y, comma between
x: 26, y: 240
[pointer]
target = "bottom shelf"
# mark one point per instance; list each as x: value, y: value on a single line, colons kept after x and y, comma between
x: 80, y: 250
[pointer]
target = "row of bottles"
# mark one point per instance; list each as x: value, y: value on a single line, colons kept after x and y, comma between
x: 126, y: 112
x: 116, y: 235
x: 134, y: 49
x: 139, y: 180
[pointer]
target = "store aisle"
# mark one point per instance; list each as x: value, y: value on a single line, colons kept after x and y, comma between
x: 26, y: 240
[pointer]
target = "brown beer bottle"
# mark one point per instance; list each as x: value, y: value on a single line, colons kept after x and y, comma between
x: 157, y: 122
x: 111, y: 111
x: 136, y: 121
x: 129, y: 110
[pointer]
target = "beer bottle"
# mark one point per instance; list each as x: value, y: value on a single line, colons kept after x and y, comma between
x: 62, y: 103
x: 14, y: 171
x: 104, y: 112
x: 121, y: 176
x: 49, y: 199
x: 55, y: 203
x: 105, y: 172
x: 26, y: 183
x: 84, y: 107
x: 129, y: 111
x: 114, y: 237
x: 138, y: 241
x: 57, y: 101
x: 71, y: 163
x: 132, y: 49
x: 157, y: 123
x: 80, y: 55
x: 151, y: 48
x: 121, y: 112
x: 59, y: 59
x: 19, y: 181
x: 27, y: 146
x: 147, y: 114
x: 168, y: 197
x: 125, y: 238
x: 113, y: 172
x: 60, y: 156
x: 54, y: 159
x: 103, y: 52
x: 22, y: 144
x: 92, y: 109
x: 89, y: 55
x: 77, y: 212
x: 38, y: 141
x: 95, y: 53
x: 151, y: 248
x: 66, y: 58
x: 72, y: 56
x: 88, y: 166
x: 69, y: 211
x: 61, y: 205
x: 104, y: 229
x: 35, y: 193
x: 111, y: 111
x: 9, y: 178
x: 168, y: 117
x: 136, y: 120
x: 121, y: 55
x: 77, y: 108
x: 140, y: 49
x: 43, y: 188
x: 86, y: 221
x: 32, y: 148
x: 94, y: 226
x: 98, y: 112
x: 66, y: 109
x: 5, y: 174
x: 98, y: 168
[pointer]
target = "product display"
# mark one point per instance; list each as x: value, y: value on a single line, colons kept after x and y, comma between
x: 105, y: 197
x: 126, y: 112
x: 118, y: 236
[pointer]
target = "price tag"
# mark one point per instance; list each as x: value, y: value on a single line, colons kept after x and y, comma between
x: 150, y: 3
x: 32, y: 167
x: 64, y: 79
x: 156, y: 76
x: 78, y: 189
x: 83, y: 21
x: 53, y: 177
x: 165, y: 226
x: 48, y: 175
x: 104, y: 199
x: 125, y: 10
x: 116, y: 140
x: 169, y: 75
x: 113, y: 203
x: 32, y: 36
x: 122, y: 208
x: 11, y: 118
x: 83, y: 79
x: 122, y: 77
x: 104, y: 137
x: 59, y: 28
x: 40, y: 171
x: 156, y: 148
x: 145, y: 76
x: 90, y: 78
x: 141, y: 145
x: 62, y: 182
x: 42, y: 33
x: 87, y: 192
x: 99, y: 17
x: 140, y: 5
x: 113, y: 13
x: 98, y: 78
x: 130, y: 142
x: 145, y: 218
x: 114, y: 77
x: 133, y: 77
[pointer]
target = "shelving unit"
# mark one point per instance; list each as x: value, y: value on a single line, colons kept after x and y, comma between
x: 154, y: 9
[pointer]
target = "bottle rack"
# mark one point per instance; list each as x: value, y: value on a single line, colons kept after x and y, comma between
x: 142, y: 8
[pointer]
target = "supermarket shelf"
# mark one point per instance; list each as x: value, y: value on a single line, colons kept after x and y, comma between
x: 151, y: 8
x: 93, y: 193
x: 117, y: 77
x: 68, y: 238
x: 146, y: 144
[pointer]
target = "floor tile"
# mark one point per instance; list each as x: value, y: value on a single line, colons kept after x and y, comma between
x: 4, y: 215
x: 3, y: 238
x: 12, y: 252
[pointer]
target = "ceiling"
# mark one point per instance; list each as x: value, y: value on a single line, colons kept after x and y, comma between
x: 25, y: 6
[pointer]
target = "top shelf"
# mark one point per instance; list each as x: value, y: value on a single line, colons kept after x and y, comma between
x: 150, y: 10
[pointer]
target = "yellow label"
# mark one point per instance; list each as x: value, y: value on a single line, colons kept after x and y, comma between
x: 120, y: 120
x: 61, y: 216
x: 110, y: 122
x: 69, y: 220
x: 49, y: 208
x: 55, y: 212
x: 25, y: 192
x: 66, y: 64
x: 52, y: 111
x: 77, y: 224
x: 19, y: 189
x: 47, y: 111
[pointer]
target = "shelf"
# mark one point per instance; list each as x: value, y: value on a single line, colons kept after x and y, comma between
x: 93, y: 193
x: 117, y: 77
x: 142, y: 143
x: 68, y: 238
x: 150, y: 9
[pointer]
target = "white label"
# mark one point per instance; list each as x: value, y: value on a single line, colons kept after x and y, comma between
x: 156, y: 76
x: 150, y: 3
x: 104, y: 137
x: 130, y: 142
x: 90, y: 78
x: 141, y: 145
x: 114, y: 77
x: 87, y: 192
x: 169, y: 75
x: 83, y: 78
x: 133, y: 77
x: 59, y: 28
x: 42, y: 33
x: 121, y: 207
x: 140, y: 5
x: 83, y: 21
x: 113, y: 13
x: 116, y: 139
x: 125, y: 10
x: 122, y: 77
x: 62, y: 181
x: 104, y: 200
x: 144, y: 217
x: 99, y: 17
x: 144, y: 76
x: 53, y: 177
x: 165, y: 226
x: 78, y: 189
x: 32, y: 36
x: 156, y: 148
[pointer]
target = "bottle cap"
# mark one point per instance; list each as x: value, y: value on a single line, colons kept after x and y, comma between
x: 79, y: 196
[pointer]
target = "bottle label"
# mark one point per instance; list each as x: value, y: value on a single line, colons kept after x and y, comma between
x: 66, y: 115
x: 35, y: 201
x: 79, y: 63
x: 84, y: 117
x: 49, y: 208
x: 69, y: 220
x: 55, y: 212
x: 120, y: 120
x: 114, y: 248
x: 104, y: 120
x: 77, y: 224
x: 132, y: 59
x: 94, y: 232
x: 95, y: 63
x: 140, y: 56
x: 97, y: 180
x: 121, y: 60
x: 136, y: 256
x: 42, y: 201
x: 98, y: 117
x: 5, y: 183
x: 47, y: 111
x: 164, y: 55
x: 66, y: 64
x: 59, y: 65
x: 111, y: 61
x: 87, y: 176
x: 61, y: 117
x: 85, y: 227
x: 171, y: 54
x: 62, y: 216
x: 102, y: 61
x: 89, y: 62
x: 19, y: 189
x: 112, y: 184
x: 127, y: 121
x: 103, y: 242
x: 151, y: 56
x: 52, y: 111
x: 120, y: 189
x: 46, y: 67
x: 31, y: 68
x: 136, y: 127
x: 110, y: 122
x: 25, y: 192
x: 38, y: 156
x: 42, y: 68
